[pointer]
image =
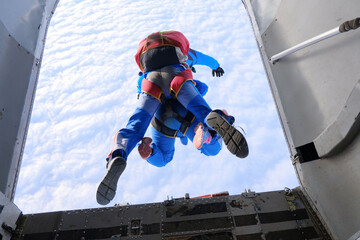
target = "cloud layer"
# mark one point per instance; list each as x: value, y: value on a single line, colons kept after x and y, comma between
x: 87, y: 91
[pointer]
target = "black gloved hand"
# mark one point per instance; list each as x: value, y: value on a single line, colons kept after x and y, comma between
x: 218, y: 72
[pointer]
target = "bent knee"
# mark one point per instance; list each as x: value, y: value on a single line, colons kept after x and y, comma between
x: 158, y: 162
x: 211, y: 150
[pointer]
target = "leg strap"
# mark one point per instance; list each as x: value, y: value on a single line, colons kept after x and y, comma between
x: 179, y: 81
x: 152, y: 89
x: 160, y: 127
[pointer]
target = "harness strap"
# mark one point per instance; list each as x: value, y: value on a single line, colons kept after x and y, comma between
x: 179, y: 81
x: 152, y: 89
x: 169, y: 112
x: 185, y: 124
x: 160, y: 127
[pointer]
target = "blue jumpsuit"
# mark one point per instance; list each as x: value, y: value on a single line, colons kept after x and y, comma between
x: 161, y: 57
x: 164, y: 146
x: 127, y: 138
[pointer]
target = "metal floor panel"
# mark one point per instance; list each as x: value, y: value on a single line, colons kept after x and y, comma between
x: 269, y: 215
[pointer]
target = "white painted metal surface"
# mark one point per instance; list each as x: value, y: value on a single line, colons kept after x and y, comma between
x: 270, y: 215
x: 265, y: 12
x: 23, y: 25
x: 341, y: 132
x: 316, y: 94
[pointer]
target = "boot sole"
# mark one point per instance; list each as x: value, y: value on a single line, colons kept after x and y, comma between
x: 233, y: 138
x: 107, y: 188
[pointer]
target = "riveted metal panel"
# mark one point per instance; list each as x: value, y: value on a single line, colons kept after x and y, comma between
x: 265, y: 215
x: 245, y: 216
x: 194, y: 216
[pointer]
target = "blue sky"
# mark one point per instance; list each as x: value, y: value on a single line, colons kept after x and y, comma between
x: 87, y: 91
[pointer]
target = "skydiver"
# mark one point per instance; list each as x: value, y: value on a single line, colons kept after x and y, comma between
x: 172, y: 120
x: 162, y: 58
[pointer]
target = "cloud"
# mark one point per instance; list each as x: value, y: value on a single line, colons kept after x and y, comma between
x: 281, y: 175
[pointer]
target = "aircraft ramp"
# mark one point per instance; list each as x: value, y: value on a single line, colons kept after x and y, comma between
x: 248, y: 216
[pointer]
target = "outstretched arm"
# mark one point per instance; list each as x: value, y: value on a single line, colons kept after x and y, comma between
x: 198, y: 58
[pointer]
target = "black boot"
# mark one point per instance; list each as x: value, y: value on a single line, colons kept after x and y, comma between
x: 233, y: 138
x: 115, y: 166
